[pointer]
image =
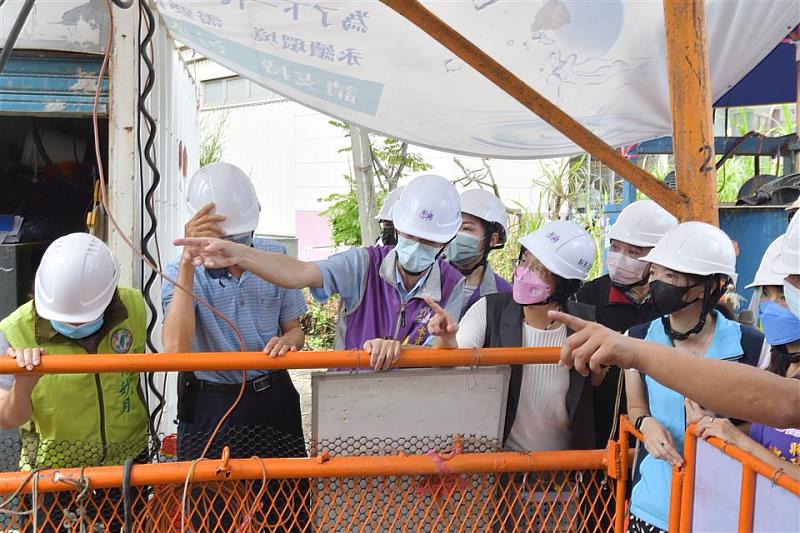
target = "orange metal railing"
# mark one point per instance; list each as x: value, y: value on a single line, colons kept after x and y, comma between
x: 170, y: 362
x: 751, y: 468
x: 450, y: 490
x: 682, y: 490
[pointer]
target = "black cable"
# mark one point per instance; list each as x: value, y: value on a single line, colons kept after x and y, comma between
x: 147, y: 154
x: 123, y: 4
x: 13, y: 35
x: 127, y: 496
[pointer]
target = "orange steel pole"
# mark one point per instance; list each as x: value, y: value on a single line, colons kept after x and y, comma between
x: 622, y: 483
x: 675, y: 499
x: 420, y: 16
x: 335, y: 467
x: 690, y: 100
x: 747, y: 499
x: 168, y: 362
x: 687, y: 496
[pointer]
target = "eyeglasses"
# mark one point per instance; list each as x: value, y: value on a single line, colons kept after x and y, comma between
x: 537, y: 268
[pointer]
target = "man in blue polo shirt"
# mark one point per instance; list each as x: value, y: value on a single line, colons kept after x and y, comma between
x: 382, y: 288
x: 267, y: 421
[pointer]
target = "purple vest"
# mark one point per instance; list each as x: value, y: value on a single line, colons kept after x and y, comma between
x: 502, y: 286
x: 381, y: 311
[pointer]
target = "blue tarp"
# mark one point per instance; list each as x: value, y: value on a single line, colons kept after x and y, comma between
x: 772, y: 81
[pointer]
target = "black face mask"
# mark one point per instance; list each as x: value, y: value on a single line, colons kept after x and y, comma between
x: 388, y: 235
x: 667, y: 298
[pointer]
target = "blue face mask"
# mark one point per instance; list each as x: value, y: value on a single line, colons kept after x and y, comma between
x: 77, y: 332
x: 463, y: 249
x: 780, y: 325
x: 414, y: 256
x: 792, y: 295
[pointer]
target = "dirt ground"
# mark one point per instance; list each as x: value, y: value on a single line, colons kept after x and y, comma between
x: 302, y: 382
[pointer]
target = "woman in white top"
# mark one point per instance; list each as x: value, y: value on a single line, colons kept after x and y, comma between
x: 547, y: 403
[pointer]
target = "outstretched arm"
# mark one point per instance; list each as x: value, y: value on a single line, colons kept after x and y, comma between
x: 277, y: 268
x: 736, y: 390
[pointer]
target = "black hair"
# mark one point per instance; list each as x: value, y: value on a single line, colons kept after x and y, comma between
x: 781, y: 359
x: 494, y: 227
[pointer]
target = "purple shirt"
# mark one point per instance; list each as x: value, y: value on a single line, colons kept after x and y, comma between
x: 785, y: 443
x: 491, y: 283
x: 373, y: 304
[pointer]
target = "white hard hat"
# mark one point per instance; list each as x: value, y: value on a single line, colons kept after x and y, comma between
x: 484, y: 205
x: 388, y: 203
x: 695, y: 248
x: 429, y: 209
x: 788, y: 262
x: 76, y: 279
x: 563, y: 247
x: 231, y: 192
x: 642, y: 223
x: 766, y: 274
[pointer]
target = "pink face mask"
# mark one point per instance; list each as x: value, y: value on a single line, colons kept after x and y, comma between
x: 529, y: 288
x: 625, y: 270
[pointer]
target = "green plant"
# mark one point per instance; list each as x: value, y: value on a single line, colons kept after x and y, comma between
x: 214, y: 125
x: 391, y: 160
x: 772, y: 121
x: 566, y: 182
x: 319, y: 323
x: 563, y: 182
x: 502, y: 260
x: 342, y: 213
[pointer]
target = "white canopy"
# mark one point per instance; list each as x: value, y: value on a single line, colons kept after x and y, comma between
x: 601, y: 61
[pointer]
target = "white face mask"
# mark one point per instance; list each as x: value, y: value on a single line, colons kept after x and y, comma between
x: 792, y: 295
x: 625, y: 270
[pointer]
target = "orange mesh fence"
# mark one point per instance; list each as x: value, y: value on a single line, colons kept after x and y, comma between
x: 502, y: 491
x: 424, y: 483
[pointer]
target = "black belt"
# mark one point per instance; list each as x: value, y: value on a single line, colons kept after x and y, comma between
x: 253, y: 386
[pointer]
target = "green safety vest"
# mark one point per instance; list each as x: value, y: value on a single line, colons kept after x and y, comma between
x: 84, y: 419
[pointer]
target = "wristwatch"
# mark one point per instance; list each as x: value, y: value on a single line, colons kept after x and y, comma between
x: 638, y: 424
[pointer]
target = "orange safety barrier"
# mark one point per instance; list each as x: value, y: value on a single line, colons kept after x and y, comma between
x: 626, y: 429
x: 454, y: 490
x: 751, y: 468
x: 503, y: 491
x: 170, y: 362
x: 682, y: 490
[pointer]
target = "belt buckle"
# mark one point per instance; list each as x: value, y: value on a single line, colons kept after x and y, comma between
x: 262, y: 384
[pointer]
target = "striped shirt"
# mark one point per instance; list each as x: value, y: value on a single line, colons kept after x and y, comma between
x: 257, y: 307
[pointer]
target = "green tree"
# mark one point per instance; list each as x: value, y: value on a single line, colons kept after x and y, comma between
x: 391, y: 160
x: 342, y: 213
